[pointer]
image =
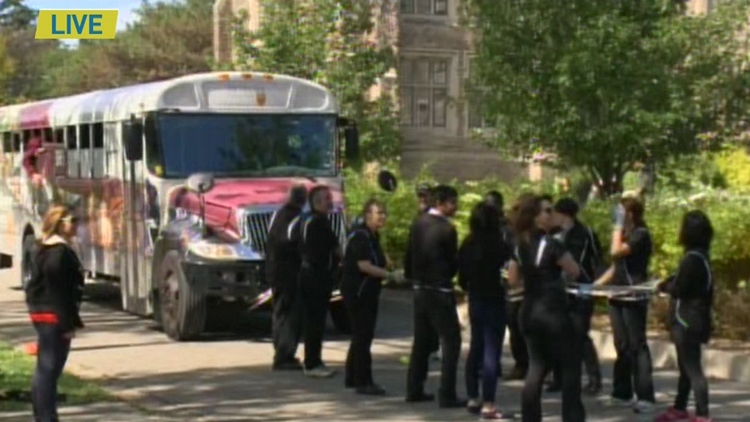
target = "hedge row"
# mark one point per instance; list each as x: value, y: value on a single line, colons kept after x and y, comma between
x: 730, y: 252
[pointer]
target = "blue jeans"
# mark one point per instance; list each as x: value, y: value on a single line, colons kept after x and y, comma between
x: 488, y: 321
x: 52, y: 354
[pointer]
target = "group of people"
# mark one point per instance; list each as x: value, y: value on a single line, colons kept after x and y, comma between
x: 516, y: 272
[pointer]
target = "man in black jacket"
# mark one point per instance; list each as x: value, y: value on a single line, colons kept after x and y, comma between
x: 432, y: 262
x: 282, y: 273
x: 321, y: 252
x: 584, y: 246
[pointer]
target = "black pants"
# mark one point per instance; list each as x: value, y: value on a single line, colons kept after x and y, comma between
x: 517, y: 342
x: 688, y: 345
x: 363, y: 314
x: 581, y: 311
x: 633, y: 368
x: 436, y: 311
x: 287, y: 325
x: 316, y: 293
x: 552, y: 341
x: 53, y: 350
x: 487, y: 317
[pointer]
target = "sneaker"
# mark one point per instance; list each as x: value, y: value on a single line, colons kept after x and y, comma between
x: 617, y: 402
x: 291, y: 365
x: 642, y: 406
x: 474, y: 406
x: 673, y: 415
x: 320, y: 371
x: 496, y: 415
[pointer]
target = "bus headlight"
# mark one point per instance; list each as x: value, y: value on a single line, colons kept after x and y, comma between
x: 214, y: 250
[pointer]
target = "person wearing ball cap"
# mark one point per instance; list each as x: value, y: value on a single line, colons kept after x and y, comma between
x: 631, y: 250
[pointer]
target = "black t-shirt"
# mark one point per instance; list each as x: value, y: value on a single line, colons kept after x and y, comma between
x: 480, y: 260
x: 362, y: 245
x: 584, y: 246
x: 542, y: 276
x: 633, y: 269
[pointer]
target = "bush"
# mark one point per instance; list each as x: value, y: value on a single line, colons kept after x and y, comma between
x: 730, y: 216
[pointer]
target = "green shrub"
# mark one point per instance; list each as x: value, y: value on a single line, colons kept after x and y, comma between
x: 730, y: 216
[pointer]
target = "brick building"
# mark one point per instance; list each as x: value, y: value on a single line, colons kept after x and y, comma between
x: 437, y: 118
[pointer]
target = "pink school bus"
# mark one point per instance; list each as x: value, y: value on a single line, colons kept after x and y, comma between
x: 123, y: 158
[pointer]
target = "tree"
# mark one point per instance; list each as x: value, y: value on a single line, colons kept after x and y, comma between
x: 329, y: 42
x: 14, y: 14
x: 605, y: 84
x: 168, y: 40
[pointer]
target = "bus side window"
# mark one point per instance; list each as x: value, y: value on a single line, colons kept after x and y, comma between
x: 97, y: 150
x: 84, y: 149
x: 72, y: 151
x: 7, y: 143
x: 111, y: 149
x: 17, y: 141
x: 153, y: 152
x: 48, y: 135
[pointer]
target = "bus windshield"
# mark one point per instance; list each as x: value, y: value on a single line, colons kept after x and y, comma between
x: 252, y: 145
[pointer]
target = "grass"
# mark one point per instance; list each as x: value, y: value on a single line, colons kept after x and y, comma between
x: 17, y: 369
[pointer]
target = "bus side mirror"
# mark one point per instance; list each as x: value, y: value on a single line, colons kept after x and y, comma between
x: 351, y: 137
x: 132, y: 138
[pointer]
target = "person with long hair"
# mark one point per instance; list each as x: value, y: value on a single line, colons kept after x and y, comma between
x: 692, y: 295
x: 538, y: 263
x: 631, y: 250
x: 480, y: 258
x: 364, y: 269
x: 53, y: 297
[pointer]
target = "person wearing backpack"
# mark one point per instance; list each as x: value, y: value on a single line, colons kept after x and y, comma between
x: 53, y: 297
x: 584, y: 246
x: 692, y: 292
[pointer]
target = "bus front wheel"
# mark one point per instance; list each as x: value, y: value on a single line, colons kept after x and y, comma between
x: 182, y: 309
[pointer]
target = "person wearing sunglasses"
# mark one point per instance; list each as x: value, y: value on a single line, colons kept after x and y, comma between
x: 631, y: 250
x: 53, y: 297
x: 538, y: 265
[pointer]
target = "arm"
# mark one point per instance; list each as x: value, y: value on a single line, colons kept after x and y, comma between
x: 359, y: 249
x: 618, y: 248
x: 514, y: 275
x: 607, y: 277
x: 408, y: 271
x: 65, y: 290
x: 569, y: 265
x: 451, y: 249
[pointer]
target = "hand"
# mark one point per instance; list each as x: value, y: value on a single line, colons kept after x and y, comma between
x: 388, y: 262
x: 36, y: 179
x: 398, y: 277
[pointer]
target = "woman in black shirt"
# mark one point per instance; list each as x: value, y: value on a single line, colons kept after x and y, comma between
x: 539, y: 261
x: 480, y: 259
x: 363, y: 271
x: 631, y: 250
x: 53, y: 296
x: 690, y: 315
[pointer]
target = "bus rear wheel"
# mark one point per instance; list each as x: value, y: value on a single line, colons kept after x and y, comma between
x: 182, y: 310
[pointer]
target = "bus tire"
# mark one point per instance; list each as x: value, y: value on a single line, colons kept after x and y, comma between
x: 182, y: 309
x: 27, y: 259
x: 340, y: 317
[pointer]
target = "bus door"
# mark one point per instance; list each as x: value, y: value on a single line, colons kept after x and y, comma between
x: 135, y: 262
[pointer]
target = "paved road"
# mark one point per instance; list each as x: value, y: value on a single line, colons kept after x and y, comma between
x: 226, y: 377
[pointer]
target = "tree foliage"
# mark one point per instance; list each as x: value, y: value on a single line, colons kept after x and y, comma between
x: 329, y: 42
x: 605, y: 84
x: 169, y: 39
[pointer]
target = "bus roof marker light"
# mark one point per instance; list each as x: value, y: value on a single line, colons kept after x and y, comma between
x: 224, y: 77
x: 268, y: 77
x: 247, y: 76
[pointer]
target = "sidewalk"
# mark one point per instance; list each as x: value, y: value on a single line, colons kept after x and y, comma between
x: 109, y: 412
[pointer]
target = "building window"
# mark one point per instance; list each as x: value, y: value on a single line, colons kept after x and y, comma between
x: 474, y: 99
x: 424, y: 92
x: 424, y: 7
